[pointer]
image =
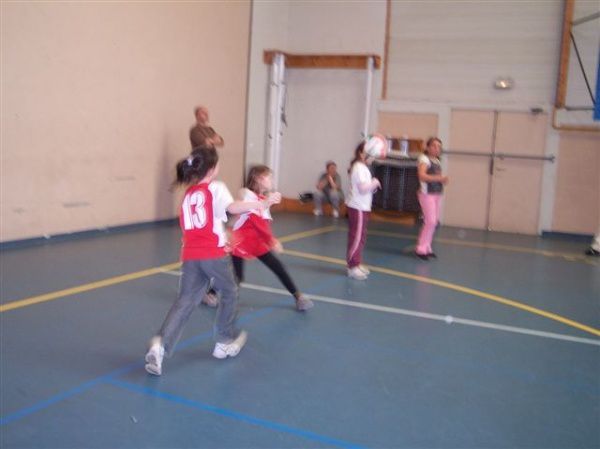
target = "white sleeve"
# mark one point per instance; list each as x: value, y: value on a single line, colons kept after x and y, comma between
x: 423, y: 159
x: 363, y: 174
x: 250, y: 196
x: 221, y: 199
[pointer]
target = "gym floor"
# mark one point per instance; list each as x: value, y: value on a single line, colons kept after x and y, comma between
x: 496, y: 344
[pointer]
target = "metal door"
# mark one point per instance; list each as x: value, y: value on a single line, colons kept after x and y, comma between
x: 495, y: 168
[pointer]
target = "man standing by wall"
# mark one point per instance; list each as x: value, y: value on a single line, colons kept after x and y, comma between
x: 202, y: 133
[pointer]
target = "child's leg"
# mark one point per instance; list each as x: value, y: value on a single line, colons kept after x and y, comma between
x: 363, y: 236
x: 270, y: 260
x: 429, y: 208
x: 275, y: 265
x: 192, y: 285
x: 238, y: 268
x: 224, y: 282
x: 318, y: 198
x: 356, y: 229
x: 334, y: 199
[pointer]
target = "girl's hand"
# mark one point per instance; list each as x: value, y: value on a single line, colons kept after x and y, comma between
x: 274, y: 198
x: 376, y: 184
x: 277, y: 246
x: 445, y: 180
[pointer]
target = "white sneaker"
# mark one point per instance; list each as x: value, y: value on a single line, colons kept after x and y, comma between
x: 364, y: 269
x: 335, y: 213
x: 317, y: 213
x: 154, y: 356
x: 224, y: 350
x: 303, y: 303
x: 356, y: 273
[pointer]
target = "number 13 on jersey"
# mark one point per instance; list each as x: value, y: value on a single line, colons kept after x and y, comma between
x: 194, y: 213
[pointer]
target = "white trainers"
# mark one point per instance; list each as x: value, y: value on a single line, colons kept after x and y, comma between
x: 317, y: 212
x: 356, y: 273
x: 335, y: 213
x: 303, y: 303
x: 364, y: 269
x: 154, y: 356
x: 224, y: 350
x: 211, y: 300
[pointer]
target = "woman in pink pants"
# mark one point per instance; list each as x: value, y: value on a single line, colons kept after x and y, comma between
x: 431, y: 183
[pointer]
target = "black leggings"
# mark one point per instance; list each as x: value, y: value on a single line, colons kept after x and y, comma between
x: 274, y: 265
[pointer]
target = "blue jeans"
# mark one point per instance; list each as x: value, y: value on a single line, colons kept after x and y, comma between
x: 195, y: 278
x: 333, y: 196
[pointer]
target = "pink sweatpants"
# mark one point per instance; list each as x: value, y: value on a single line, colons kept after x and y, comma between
x: 357, y: 235
x: 430, y: 205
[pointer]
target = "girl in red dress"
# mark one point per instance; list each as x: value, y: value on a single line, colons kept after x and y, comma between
x: 253, y: 238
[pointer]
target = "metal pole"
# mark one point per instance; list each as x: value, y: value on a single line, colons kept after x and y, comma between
x: 490, y: 196
x: 500, y: 155
x: 280, y: 60
x: 368, y: 99
x: 272, y: 114
x: 276, y: 93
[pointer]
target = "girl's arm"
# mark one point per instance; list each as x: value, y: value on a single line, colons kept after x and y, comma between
x: 368, y: 187
x: 239, y: 207
x: 321, y: 184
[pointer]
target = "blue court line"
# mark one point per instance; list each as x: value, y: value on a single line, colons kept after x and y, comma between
x: 7, y: 419
x: 234, y: 415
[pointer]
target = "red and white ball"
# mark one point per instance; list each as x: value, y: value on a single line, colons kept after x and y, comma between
x: 377, y: 146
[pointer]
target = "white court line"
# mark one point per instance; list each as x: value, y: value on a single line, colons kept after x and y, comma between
x: 429, y: 316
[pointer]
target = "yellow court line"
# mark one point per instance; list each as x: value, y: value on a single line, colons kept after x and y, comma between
x: 516, y: 249
x: 311, y: 233
x: 11, y: 305
x: 86, y: 287
x: 458, y: 288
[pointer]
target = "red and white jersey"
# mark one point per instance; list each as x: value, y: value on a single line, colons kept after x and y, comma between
x: 203, y: 212
x: 252, y: 235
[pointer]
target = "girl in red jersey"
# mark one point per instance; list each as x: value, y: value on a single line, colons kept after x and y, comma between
x: 252, y: 236
x: 203, y: 211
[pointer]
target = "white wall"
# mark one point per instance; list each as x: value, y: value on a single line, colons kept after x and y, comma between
x: 325, y: 116
x: 446, y: 55
x: 452, y: 52
x: 97, y: 101
x: 325, y: 108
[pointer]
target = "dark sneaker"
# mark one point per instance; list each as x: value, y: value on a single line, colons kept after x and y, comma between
x: 422, y: 256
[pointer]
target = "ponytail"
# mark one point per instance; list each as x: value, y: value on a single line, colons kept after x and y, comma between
x: 358, y: 155
x: 195, y: 167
